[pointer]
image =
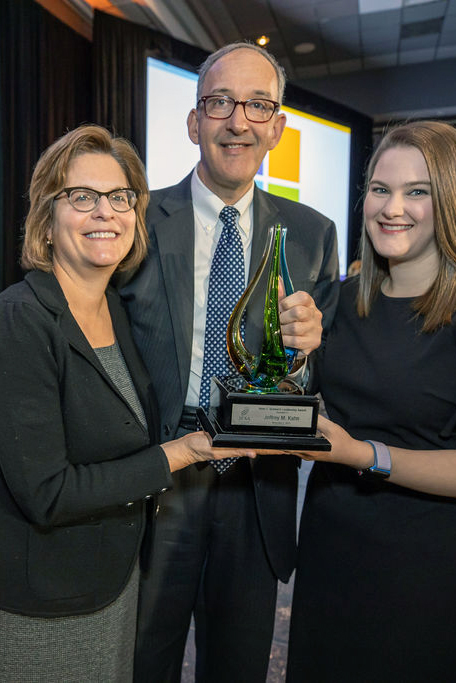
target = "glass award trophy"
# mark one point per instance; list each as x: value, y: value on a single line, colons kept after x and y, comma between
x: 260, y: 405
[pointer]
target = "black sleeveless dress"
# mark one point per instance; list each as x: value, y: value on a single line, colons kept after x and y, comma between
x: 375, y: 588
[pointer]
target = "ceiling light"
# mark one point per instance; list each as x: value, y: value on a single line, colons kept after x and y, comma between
x: 368, y: 6
x: 262, y: 41
x: 304, y: 48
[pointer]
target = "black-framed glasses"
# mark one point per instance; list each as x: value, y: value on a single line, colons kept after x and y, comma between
x: 257, y: 110
x: 85, y: 199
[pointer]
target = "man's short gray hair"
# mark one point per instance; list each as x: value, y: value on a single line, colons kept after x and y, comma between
x: 226, y: 49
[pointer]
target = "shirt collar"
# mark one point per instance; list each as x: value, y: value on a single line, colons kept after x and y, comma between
x: 207, y: 205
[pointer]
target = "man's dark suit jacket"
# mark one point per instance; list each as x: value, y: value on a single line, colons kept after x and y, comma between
x: 72, y: 510
x: 160, y: 302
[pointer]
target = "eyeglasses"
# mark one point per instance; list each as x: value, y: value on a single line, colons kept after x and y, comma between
x: 222, y: 107
x: 86, y: 199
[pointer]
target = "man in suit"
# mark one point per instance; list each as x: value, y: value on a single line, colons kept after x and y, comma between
x: 222, y: 540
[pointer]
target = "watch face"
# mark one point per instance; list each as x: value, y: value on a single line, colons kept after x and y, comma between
x: 384, y: 474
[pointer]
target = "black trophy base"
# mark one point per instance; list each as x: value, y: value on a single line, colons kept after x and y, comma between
x: 238, y: 439
x: 280, y: 420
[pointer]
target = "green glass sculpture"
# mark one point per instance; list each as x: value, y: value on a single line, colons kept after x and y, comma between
x: 263, y: 371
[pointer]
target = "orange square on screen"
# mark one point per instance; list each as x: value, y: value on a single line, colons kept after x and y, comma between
x: 284, y: 159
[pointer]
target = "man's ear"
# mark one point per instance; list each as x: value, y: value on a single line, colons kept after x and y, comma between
x: 192, y: 126
x: 277, y: 130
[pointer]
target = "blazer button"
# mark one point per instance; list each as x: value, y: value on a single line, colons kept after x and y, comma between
x: 167, y: 429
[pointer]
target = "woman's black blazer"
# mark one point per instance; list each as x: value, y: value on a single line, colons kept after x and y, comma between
x: 76, y: 465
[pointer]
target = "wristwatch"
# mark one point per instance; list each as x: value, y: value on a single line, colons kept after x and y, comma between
x: 382, y: 460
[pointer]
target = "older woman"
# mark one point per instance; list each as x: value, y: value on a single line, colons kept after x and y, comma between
x: 375, y: 585
x: 80, y: 474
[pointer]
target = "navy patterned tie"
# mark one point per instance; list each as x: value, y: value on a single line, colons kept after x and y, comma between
x: 226, y: 284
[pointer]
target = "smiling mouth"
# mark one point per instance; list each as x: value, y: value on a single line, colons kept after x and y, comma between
x: 235, y: 145
x: 100, y: 235
x: 395, y: 227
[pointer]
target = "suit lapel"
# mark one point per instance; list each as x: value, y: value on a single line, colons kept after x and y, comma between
x: 51, y: 296
x: 49, y: 293
x: 133, y: 360
x: 176, y: 240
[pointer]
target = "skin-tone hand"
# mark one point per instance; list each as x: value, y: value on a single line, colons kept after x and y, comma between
x: 429, y: 471
x: 344, y: 449
x: 300, y: 321
x: 196, y: 447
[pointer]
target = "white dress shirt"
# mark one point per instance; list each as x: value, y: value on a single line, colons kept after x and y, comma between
x: 208, y: 228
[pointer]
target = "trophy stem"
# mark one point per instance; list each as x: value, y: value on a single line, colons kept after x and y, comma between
x: 264, y: 369
x: 272, y: 366
x: 289, y: 289
x: 243, y: 360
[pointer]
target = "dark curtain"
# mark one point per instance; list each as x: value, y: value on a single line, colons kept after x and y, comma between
x: 119, y: 55
x: 1, y: 192
x: 46, y: 89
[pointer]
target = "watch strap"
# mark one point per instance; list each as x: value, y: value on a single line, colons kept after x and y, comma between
x: 382, y: 459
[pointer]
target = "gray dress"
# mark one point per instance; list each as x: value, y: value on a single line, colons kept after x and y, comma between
x: 91, y: 648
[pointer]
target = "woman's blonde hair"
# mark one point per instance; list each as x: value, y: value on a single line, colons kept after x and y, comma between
x: 437, y: 143
x: 49, y: 178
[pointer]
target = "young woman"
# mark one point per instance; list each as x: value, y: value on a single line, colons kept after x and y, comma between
x: 375, y: 586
